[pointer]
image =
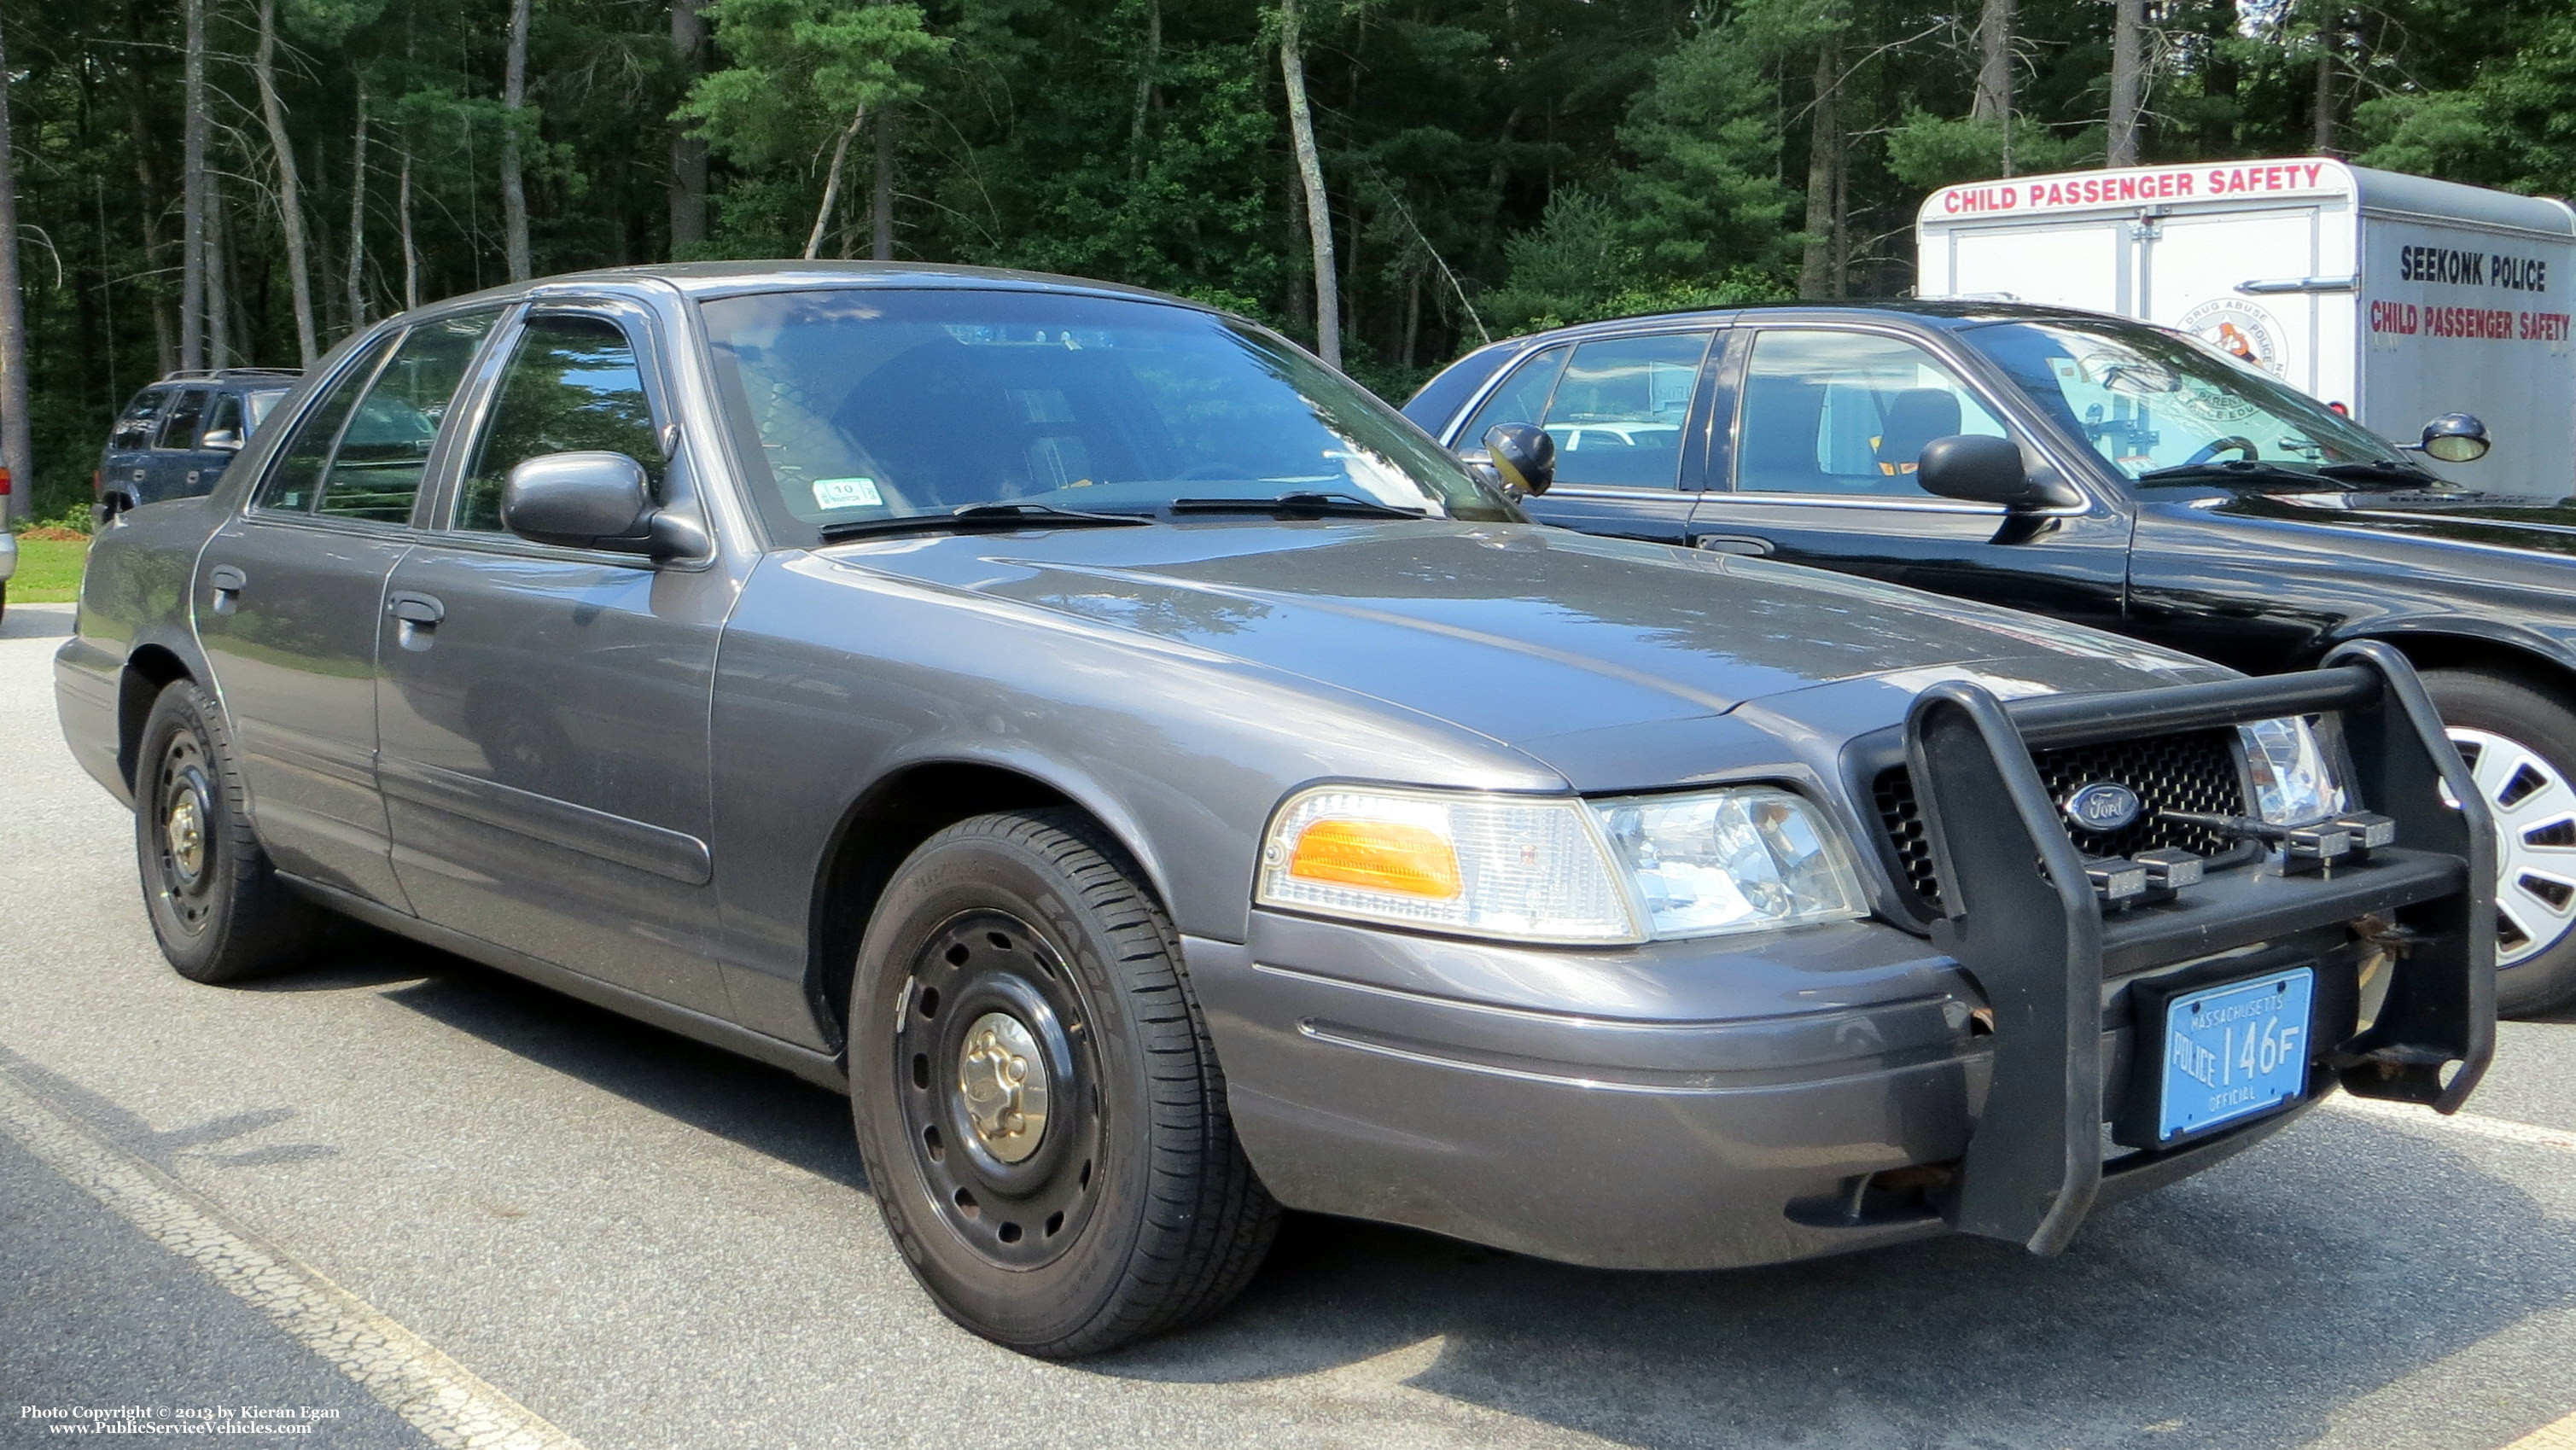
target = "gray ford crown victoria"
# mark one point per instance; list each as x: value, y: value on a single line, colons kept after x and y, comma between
x: 1163, y: 787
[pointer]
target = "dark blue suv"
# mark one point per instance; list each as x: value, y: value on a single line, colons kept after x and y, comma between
x: 174, y: 439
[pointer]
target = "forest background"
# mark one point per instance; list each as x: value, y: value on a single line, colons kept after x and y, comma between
x: 239, y: 182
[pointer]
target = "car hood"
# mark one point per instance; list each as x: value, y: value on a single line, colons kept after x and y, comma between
x: 1515, y: 631
x: 2481, y: 519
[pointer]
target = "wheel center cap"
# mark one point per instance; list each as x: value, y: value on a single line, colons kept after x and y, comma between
x: 1002, y: 1077
x: 186, y: 831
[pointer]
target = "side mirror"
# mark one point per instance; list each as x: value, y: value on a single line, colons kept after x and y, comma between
x: 1524, y: 455
x: 221, y: 440
x: 1983, y: 469
x: 587, y: 500
x: 2455, y: 438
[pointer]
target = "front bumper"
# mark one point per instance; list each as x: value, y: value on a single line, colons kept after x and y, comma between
x: 1739, y: 1101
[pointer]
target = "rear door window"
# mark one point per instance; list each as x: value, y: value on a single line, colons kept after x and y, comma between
x: 293, y: 483
x: 134, y: 426
x: 376, y: 471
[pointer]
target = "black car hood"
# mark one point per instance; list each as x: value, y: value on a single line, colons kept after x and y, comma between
x: 2479, y: 519
x: 1515, y: 631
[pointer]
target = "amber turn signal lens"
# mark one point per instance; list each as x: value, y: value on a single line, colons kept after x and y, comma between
x: 1390, y: 856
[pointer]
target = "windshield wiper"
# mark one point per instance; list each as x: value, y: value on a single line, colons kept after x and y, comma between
x: 1337, y: 505
x: 2395, y: 475
x: 980, y: 518
x: 2234, y: 468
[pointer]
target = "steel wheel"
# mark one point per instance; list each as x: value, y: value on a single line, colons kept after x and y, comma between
x: 2535, y: 816
x: 185, y: 845
x: 1000, y: 1089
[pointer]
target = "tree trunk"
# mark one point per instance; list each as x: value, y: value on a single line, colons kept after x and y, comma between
x: 358, y: 218
x: 2128, y: 78
x: 1994, y: 100
x: 514, y: 189
x: 411, y: 250
x: 221, y: 347
x: 1824, y: 162
x: 192, y: 168
x: 17, y: 445
x: 688, y: 153
x: 2324, y: 140
x: 151, y: 194
x: 290, y: 191
x: 1145, y: 89
x: 1310, y: 175
x: 881, y: 209
x: 832, y: 182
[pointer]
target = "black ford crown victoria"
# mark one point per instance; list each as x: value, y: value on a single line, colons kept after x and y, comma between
x: 2151, y: 485
x: 1160, y: 785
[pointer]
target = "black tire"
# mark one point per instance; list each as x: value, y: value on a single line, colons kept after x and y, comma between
x: 2543, y: 724
x: 1129, y: 1209
x: 217, y: 907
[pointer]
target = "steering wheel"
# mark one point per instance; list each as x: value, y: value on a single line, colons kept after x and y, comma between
x: 2215, y: 446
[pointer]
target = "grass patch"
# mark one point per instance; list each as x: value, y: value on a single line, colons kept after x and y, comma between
x: 49, y: 569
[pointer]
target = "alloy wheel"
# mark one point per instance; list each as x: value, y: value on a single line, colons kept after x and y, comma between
x: 2535, y: 814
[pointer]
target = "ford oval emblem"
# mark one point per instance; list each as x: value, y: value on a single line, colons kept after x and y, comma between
x: 2102, y: 805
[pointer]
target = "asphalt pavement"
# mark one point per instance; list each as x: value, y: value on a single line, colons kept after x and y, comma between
x: 432, y: 1175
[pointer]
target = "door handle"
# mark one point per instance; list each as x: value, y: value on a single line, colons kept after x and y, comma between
x: 413, y: 608
x: 228, y: 582
x: 1732, y: 544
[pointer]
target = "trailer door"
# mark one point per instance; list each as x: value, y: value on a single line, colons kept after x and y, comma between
x: 2052, y: 264
x: 2195, y: 269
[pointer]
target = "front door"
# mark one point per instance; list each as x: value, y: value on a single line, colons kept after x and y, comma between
x: 287, y: 595
x: 1828, y: 426
x: 545, y: 709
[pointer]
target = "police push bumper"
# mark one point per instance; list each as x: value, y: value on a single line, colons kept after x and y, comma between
x: 2067, y: 952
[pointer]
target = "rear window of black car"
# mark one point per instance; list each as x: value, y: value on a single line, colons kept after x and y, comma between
x: 883, y: 403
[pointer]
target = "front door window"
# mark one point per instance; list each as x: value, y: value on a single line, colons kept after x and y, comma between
x: 1847, y: 413
x: 573, y: 384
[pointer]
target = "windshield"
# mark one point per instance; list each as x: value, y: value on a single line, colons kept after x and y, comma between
x: 881, y: 404
x: 2147, y: 399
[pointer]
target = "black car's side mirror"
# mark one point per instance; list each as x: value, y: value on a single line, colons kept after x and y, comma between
x: 2455, y: 438
x: 593, y: 500
x: 1524, y: 455
x: 221, y: 440
x: 1983, y: 469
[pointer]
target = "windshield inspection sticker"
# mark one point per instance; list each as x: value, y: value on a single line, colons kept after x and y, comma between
x: 847, y: 493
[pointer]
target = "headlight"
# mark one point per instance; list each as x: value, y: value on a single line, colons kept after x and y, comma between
x: 2293, y: 784
x: 1556, y: 869
x: 1731, y: 860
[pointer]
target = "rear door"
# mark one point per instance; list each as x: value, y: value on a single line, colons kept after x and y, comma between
x: 1824, y: 428
x: 545, y: 709
x: 287, y: 594
x: 1624, y: 413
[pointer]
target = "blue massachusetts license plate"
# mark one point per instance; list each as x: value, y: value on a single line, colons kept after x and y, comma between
x: 2234, y: 1051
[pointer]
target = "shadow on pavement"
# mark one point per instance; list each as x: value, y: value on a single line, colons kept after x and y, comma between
x: 2246, y: 1307
x: 36, y: 621
x: 718, y: 1092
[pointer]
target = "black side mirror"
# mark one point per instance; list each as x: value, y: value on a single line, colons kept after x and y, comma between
x: 594, y: 500
x: 2455, y: 438
x: 1983, y: 469
x: 1524, y: 455
x: 221, y: 440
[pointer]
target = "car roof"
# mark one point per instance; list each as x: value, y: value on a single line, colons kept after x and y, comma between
x: 1946, y: 313
x: 219, y: 376
x: 729, y: 279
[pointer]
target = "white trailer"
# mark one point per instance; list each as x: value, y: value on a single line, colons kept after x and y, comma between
x: 2396, y: 297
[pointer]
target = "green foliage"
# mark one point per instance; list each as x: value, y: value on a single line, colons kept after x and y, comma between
x: 1493, y: 164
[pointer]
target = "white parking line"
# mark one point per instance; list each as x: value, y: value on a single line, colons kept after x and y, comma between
x: 2561, y: 1436
x: 2504, y: 1130
x: 439, y: 1397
